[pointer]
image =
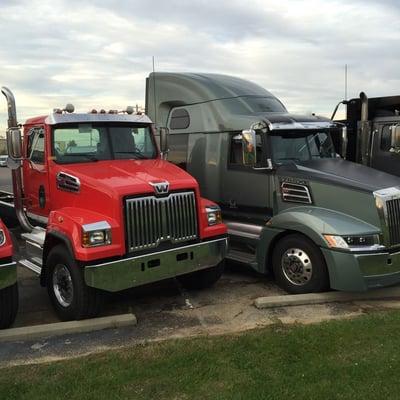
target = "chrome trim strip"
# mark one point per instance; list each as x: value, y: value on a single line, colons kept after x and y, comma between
x: 8, y: 264
x: 96, y: 226
x: 159, y: 252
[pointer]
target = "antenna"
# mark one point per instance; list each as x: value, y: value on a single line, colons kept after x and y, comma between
x: 154, y: 95
x: 345, y: 81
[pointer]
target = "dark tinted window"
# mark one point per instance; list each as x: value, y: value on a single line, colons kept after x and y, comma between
x: 180, y: 119
x: 178, y: 144
x: 386, y: 138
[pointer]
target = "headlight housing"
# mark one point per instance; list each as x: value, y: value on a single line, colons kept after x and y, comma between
x: 2, y: 237
x: 214, y: 216
x: 96, y: 234
x: 354, y: 242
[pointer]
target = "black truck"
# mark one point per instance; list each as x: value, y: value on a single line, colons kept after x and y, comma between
x: 371, y: 132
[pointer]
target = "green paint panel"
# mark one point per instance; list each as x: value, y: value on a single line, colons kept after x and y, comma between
x: 8, y: 275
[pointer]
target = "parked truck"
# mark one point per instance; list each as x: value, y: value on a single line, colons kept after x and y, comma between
x: 371, y: 132
x: 100, y: 210
x: 8, y: 280
x: 293, y: 207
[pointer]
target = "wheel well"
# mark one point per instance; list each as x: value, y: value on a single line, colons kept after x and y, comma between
x: 274, y: 242
x: 51, y: 241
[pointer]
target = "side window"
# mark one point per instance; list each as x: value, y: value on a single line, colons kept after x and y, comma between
x: 235, y: 150
x: 180, y: 119
x: 35, y: 150
x: 386, y: 138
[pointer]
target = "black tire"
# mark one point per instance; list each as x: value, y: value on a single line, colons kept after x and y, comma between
x: 202, y: 279
x: 84, y: 302
x: 299, y: 266
x: 8, y: 305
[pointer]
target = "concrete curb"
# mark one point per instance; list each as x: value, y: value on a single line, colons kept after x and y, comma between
x: 328, y: 297
x: 63, y: 328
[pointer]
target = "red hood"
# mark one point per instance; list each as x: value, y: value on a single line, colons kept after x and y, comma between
x: 129, y: 177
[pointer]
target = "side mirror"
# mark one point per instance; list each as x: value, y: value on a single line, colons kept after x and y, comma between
x: 14, y: 143
x: 395, y: 134
x: 249, y: 149
x: 164, y: 147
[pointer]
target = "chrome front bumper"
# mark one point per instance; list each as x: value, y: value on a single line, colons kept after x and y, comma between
x: 135, y: 271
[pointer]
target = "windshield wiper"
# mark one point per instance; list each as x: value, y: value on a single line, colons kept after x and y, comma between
x: 137, y: 153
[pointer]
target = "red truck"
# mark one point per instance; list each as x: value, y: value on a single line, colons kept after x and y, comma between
x: 101, y: 210
x: 8, y: 280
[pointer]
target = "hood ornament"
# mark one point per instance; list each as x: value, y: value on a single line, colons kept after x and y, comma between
x: 160, y: 187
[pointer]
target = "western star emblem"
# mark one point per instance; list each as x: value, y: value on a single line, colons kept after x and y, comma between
x: 160, y: 187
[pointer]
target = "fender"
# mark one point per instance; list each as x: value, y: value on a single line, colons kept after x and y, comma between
x: 66, y: 224
x: 312, y: 222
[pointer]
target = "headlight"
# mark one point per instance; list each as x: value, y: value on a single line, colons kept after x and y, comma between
x: 2, y: 237
x: 96, y: 234
x: 214, y: 216
x: 354, y: 242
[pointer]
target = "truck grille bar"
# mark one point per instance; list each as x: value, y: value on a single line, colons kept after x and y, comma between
x: 393, y: 217
x: 151, y: 220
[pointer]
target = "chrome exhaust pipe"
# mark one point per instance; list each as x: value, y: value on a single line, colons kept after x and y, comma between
x: 364, y: 129
x: 16, y: 173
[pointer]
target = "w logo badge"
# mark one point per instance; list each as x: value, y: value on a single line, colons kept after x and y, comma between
x: 160, y: 187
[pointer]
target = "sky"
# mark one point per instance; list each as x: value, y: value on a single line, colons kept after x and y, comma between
x: 97, y: 54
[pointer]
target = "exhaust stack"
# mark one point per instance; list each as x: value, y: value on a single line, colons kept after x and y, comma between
x: 16, y: 173
x: 364, y: 129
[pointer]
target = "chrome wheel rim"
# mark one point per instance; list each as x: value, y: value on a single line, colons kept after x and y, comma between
x: 62, y: 285
x: 296, y: 266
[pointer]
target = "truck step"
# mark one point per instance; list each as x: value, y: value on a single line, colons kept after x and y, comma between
x: 37, y: 269
x: 37, y: 236
x: 242, y: 257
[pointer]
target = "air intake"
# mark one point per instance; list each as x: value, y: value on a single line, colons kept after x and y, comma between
x: 68, y: 183
x: 295, y: 193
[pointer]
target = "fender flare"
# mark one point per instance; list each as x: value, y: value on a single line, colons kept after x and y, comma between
x: 53, y: 238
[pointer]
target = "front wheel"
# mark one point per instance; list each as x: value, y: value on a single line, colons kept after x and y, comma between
x: 202, y: 279
x: 299, y: 266
x: 8, y: 305
x: 72, y: 299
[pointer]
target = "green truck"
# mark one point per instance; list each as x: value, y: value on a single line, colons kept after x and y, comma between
x: 293, y: 207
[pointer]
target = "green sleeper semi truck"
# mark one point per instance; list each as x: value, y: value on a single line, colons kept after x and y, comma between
x: 293, y: 207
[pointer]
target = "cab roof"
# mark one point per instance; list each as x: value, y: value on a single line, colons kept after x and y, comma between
x: 75, y: 118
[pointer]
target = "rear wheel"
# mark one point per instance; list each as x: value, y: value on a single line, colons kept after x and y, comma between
x: 8, y: 305
x: 202, y: 279
x: 72, y: 299
x: 299, y: 266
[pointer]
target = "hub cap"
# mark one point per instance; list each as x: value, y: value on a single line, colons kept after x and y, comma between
x: 296, y: 266
x: 62, y: 285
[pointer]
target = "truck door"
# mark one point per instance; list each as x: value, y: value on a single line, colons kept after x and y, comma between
x: 35, y: 175
x: 246, y: 191
x: 381, y: 156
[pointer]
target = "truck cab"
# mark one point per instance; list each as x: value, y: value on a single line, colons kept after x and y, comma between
x: 100, y: 210
x: 8, y: 280
x: 372, y: 132
x: 293, y: 207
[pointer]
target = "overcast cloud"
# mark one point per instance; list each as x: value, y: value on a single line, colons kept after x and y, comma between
x: 98, y: 53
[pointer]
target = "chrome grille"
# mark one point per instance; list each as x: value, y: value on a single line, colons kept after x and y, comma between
x: 151, y: 220
x: 393, y: 218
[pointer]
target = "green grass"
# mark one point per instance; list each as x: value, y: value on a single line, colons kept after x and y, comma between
x: 351, y: 359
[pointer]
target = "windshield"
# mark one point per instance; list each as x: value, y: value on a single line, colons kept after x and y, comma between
x: 94, y: 142
x: 301, y: 146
